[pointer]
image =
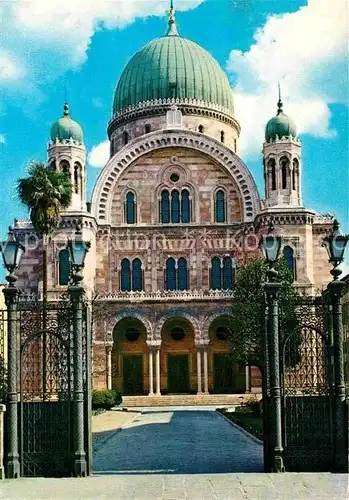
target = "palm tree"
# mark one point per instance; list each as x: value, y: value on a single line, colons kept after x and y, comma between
x: 46, y: 192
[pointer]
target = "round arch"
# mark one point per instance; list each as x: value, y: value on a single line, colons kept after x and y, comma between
x: 103, y: 191
x: 211, y: 318
x: 132, y: 315
x: 177, y: 313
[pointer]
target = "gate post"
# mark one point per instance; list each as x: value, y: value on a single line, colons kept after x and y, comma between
x: 266, y: 396
x: 336, y: 288
x: 12, y: 456
x: 76, y: 292
x: 272, y: 291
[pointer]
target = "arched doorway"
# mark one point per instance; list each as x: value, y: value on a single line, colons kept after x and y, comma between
x: 129, y: 357
x: 226, y: 376
x: 178, y: 357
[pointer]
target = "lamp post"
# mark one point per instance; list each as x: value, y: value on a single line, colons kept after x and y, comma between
x: 12, y: 251
x: 335, y: 244
x: 77, y: 251
x: 271, y: 245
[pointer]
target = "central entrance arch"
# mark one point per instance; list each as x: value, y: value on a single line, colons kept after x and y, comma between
x: 178, y: 356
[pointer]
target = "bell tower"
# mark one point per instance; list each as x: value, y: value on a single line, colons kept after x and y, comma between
x: 282, y: 161
x: 67, y: 153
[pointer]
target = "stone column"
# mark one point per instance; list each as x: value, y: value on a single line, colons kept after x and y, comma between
x: 247, y: 378
x: 205, y: 370
x: 109, y: 347
x: 151, y: 372
x: 198, y: 361
x: 157, y: 362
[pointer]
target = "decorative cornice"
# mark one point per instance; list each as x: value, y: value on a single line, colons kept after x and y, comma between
x: 108, y: 178
x: 166, y: 296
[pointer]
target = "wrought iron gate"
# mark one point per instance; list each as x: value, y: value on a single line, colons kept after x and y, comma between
x: 307, y: 396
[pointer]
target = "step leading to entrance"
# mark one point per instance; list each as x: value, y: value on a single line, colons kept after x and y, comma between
x: 186, y: 400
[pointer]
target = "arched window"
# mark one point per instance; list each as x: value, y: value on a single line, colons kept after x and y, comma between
x: 222, y: 136
x: 220, y: 209
x: 185, y: 206
x: 64, y: 267
x: 64, y: 167
x: 227, y: 273
x: 182, y: 274
x: 130, y: 208
x: 165, y: 207
x: 170, y: 277
x: 295, y: 173
x: 53, y: 165
x: 76, y: 177
x: 216, y: 273
x: 175, y: 213
x: 125, y: 137
x: 284, y: 165
x: 147, y: 128
x: 272, y: 173
x: 288, y: 254
x: 137, y: 278
x: 201, y: 129
x: 125, y: 275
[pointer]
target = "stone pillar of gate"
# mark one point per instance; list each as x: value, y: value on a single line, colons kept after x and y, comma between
x: 12, y: 456
x: 80, y: 466
x: 108, y: 349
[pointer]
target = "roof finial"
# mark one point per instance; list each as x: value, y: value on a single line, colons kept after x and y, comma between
x: 172, y: 27
x: 66, y: 109
x: 280, y: 104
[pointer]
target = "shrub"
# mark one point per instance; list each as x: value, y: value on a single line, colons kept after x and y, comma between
x: 253, y: 404
x: 105, y: 399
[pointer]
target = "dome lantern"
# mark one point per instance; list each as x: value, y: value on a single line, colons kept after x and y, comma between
x: 66, y: 129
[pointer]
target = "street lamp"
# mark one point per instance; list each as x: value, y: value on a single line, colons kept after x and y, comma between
x: 78, y: 249
x: 335, y: 244
x: 271, y: 245
x: 12, y: 251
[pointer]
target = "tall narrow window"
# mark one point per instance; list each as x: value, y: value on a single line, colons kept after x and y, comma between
x: 185, y: 206
x: 222, y: 136
x: 227, y: 273
x: 284, y: 165
x: 220, y: 206
x: 130, y: 208
x: 76, y: 178
x: 295, y: 174
x: 64, y: 267
x: 175, y: 211
x: 64, y: 167
x: 272, y: 173
x: 137, y: 278
x: 201, y: 129
x: 288, y: 254
x: 147, y: 128
x: 125, y: 275
x: 165, y: 207
x: 182, y: 274
x: 216, y: 273
x: 125, y: 137
x: 170, y: 275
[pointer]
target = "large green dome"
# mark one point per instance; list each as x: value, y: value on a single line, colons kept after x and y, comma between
x: 173, y: 67
x: 280, y: 126
x: 65, y: 128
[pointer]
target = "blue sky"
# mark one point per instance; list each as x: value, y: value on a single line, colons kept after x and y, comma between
x: 84, y: 46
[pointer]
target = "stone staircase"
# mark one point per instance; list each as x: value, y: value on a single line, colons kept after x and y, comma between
x: 185, y: 400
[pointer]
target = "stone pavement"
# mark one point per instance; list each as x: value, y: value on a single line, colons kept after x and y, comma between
x: 181, y: 487
x: 112, y: 420
x: 178, y: 442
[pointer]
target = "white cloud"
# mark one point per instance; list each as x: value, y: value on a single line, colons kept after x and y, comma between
x: 51, y: 37
x: 307, y: 52
x: 2, y: 139
x: 9, y: 68
x: 99, y: 155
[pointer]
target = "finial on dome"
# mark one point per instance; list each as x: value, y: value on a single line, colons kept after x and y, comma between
x: 172, y: 27
x: 280, y: 103
x: 66, y: 109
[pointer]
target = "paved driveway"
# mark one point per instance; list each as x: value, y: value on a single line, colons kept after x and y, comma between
x: 177, y: 442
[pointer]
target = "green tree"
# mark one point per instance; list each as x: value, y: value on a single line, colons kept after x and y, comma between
x: 46, y: 193
x: 247, y: 325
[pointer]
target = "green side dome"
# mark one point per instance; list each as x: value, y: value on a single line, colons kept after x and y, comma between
x: 172, y: 67
x: 65, y: 128
x: 280, y: 126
